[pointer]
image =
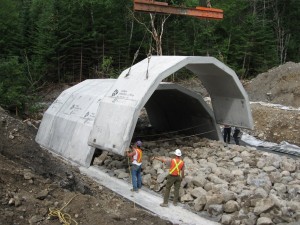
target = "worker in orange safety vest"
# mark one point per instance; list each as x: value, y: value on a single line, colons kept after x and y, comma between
x: 176, y: 174
x: 136, y: 165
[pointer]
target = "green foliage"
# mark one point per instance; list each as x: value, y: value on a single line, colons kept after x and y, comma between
x: 17, y: 85
x: 66, y: 40
x: 9, y: 27
x: 12, y: 89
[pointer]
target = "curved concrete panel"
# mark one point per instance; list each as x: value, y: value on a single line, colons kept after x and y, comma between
x: 229, y: 99
x: 67, y: 123
x: 119, y: 109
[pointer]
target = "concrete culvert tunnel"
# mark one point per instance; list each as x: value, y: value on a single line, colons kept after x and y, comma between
x: 103, y: 114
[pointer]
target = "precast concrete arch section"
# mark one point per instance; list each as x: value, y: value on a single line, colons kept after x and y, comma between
x: 67, y: 123
x: 119, y: 109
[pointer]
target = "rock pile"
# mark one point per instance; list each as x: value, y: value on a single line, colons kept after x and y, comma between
x: 230, y: 184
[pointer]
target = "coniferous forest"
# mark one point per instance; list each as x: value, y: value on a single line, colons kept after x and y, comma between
x: 58, y: 41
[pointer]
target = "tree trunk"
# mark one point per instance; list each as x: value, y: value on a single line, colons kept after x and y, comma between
x: 80, y: 75
x: 157, y: 32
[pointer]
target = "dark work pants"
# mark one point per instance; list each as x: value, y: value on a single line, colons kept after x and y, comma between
x: 237, y: 140
x: 176, y: 180
x: 227, y: 132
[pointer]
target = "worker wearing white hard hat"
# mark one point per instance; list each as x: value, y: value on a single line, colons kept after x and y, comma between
x: 176, y: 174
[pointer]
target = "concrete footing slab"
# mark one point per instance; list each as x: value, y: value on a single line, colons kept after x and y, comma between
x: 145, y: 199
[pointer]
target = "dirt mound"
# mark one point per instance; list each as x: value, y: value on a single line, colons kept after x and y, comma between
x: 275, y: 124
x: 32, y: 181
x: 280, y: 85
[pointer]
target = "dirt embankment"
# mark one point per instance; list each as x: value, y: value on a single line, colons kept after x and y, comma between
x: 280, y: 85
x: 32, y: 181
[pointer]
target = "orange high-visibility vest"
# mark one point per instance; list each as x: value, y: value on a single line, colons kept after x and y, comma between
x: 138, y: 155
x: 176, y: 167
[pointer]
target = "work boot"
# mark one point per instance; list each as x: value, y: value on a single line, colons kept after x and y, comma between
x: 137, y: 191
x: 164, y: 205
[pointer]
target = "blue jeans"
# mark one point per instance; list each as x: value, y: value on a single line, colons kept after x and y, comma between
x: 136, y: 176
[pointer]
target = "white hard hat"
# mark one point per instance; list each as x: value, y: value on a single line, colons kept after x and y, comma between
x: 177, y: 152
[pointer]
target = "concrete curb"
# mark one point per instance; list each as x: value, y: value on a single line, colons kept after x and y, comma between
x: 175, y: 214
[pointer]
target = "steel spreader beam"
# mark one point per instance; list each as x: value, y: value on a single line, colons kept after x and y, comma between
x: 152, y: 6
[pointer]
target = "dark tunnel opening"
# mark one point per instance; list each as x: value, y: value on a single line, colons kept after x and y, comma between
x: 173, y: 110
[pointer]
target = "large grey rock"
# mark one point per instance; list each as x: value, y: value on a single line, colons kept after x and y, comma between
x: 199, y: 180
x: 198, y: 192
x: 215, y: 179
x: 227, y: 219
x: 215, y: 199
x: 157, y: 164
x: 123, y: 175
x: 161, y: 177
x: 146, y: 179
x: 288, y: 165
x: 269, y: 169
x: 219, y: 188
x: 294, y: 191
x: 263, y: 205
x: 209, y: 186
x: 187, y: 198
x: 231, y: 206
x: 260, y: 180
x: 245, y: 195
x: 215, y: 210
x: 286, y: 179
x: 281, y: 188
x: 149, y: 170
x: 228, y: 195
x: 237, y: 172
x: 264, y: 221
x: 237, y: 159
x: 251, y: 219
x: 115, y: 164
x: 275, y: 177
x: 199, y: 203
x: 118, y: 171
x: 260, y: 193
x: 100, y: 160
x: 187, y: 181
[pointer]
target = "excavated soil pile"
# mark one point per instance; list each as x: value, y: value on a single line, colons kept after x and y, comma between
x: 280, y: 85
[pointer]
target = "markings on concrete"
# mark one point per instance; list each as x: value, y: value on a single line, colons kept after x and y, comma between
x: 175, y: 214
